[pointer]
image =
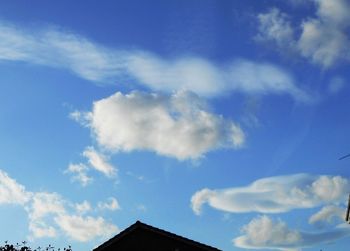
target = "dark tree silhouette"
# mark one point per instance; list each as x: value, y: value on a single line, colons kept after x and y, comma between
x: 24, y: 247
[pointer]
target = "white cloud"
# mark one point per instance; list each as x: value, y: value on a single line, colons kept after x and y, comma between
x: 112, y: 204
x: 323, y: 44
x: 335, y: 11
x: 275, y: 194
x: 180, y: 125
x: 48, y: 212
x: 41, y: 208
x: 324, y: 38
x: 262, y: 232
x: 328, y: 214
x: 94, y: 62
x: 96, y: 161
x: 83, y: 207
x: 265, y: 233
x: 99, y: 162
x: 205, y: 78
x: 40, y: 229
x: 11, y: 192
x: 44, y: 203
x: 59, y: 49
x: 85, y: 228
x: 275, y: 26
x: 79, y: 172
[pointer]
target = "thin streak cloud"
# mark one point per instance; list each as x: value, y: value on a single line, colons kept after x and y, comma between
x: 98, y: 63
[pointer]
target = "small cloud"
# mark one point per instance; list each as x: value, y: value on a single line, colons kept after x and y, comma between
x: 112, y: 204
x: 83, y: 207
x: 275, y: 26
x: 141, y: 207
x: 99, y: 162
x: 79, y: 172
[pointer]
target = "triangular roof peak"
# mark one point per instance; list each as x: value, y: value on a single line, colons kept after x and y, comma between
x: 160, y: 232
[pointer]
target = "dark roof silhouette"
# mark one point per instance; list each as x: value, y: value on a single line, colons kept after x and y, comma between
x: 141, y: 236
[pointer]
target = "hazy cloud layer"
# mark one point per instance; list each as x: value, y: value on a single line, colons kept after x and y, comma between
x: 324, y: 38
x: 180, y: 125
x: 44, y: 207
x: 266, y: 233
x: 275, y: 194
x: 94, y: 62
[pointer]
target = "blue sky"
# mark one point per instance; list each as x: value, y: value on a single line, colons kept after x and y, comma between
x: 222, y: 121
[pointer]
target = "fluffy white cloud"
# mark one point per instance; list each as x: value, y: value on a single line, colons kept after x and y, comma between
x: 265, y: 233
x: 180, y: 125
x: 91, y: 61
x: 11, y: 192
x: 328, y: 214
x: 85, y: 228
x: 99, y: 162
x: 275, y: 194
x: 112, y: 204
x: 262, y: 232
x: 79, y: 172
x: 49, y: 212
x: 324, y: 38
x: 44, y: 203
x: 324, y: 44
x: 44, y: 209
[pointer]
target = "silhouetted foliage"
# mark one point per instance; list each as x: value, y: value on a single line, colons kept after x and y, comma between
x: 24, y: 247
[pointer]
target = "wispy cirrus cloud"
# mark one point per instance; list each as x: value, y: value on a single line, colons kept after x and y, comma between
x: 89, y: 60
x: 180, y: 125
x: 265, y: 233
x: 275, y: 194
